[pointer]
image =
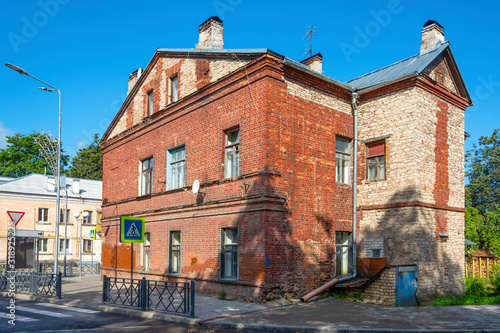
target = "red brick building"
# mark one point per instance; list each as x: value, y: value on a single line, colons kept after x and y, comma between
x: 271, y: 141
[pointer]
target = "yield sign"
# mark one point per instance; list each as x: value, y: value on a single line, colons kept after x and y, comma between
x: 15, y: 216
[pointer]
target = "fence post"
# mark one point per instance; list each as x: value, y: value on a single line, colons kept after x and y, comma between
x: 32, y: 279
x: 59, y: 285
x: 144, y: 294
x: 191, y: 313
x: 105, y: 283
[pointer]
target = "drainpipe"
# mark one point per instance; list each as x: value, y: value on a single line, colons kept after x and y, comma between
x: 354, y: 209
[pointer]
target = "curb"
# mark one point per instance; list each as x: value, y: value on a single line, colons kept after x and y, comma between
x: 333, y: 329
x: 111, y: 309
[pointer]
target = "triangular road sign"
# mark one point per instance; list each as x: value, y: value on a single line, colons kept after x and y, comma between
x: 15, y: 216
x: 133, y: 231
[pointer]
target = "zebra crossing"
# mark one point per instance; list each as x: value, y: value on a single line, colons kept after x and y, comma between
x: 42, y: 311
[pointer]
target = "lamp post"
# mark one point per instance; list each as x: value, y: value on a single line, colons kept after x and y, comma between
x: 58, y: 175
x: 84, y: 215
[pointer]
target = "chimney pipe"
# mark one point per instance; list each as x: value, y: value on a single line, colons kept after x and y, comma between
x: 432, y: 36
x: 76, y: 186
x: 132, y: 79
x: 211, y: 34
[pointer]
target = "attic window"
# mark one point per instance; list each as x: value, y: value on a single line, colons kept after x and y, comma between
x: 174, y: 93
x: 150, y: 102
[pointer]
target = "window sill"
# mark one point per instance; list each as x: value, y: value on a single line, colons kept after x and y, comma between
x: 232, y: 281
x: 88, y: 224
x: 69, y: 224
x: 143, y: 272
x: 143, y: 196
x: 88, y: 253
x: 174, y: 274
x: 42, y: 222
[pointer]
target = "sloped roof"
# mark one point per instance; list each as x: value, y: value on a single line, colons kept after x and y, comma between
x: 36, y: 184
x: 5, y: 179
x: 409, y: 66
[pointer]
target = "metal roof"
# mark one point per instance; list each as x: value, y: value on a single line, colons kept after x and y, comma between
x: 407, y: 67
x: 36, y: 184
x: 222, y: 51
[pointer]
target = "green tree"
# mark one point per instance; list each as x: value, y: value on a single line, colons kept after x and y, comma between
x: 87, y: 163
x: 483, y: 172
x: 22, y: 156
x: 483, y: 228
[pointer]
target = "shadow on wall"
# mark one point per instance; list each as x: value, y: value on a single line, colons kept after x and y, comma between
x: 411, y: 237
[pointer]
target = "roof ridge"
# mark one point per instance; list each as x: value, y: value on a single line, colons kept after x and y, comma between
x: 398, y: 62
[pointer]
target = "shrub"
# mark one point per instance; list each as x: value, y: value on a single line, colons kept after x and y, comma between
x: 495, y: 282
x: 221, y: 294
x: 474, y: 286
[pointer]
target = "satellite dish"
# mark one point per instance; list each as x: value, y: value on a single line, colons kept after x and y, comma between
x: 196, y: 186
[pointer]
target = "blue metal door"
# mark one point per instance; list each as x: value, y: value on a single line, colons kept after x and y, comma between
x: 406, y: 285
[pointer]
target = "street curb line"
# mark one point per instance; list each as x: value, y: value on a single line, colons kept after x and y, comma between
x: 111, y: 309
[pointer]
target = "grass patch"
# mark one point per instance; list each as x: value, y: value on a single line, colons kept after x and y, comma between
x: 477, y: 292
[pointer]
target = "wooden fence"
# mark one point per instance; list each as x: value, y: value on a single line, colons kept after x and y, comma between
x: 481, y: 267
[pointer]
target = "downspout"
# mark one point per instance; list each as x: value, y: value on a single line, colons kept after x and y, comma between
x: 354, y: 209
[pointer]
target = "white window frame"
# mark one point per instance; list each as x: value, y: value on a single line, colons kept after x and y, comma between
x: 172, y: 165
x: 343, y: 251
x: 174, y: 88
x: 146, y: 248
x: 142, y: 189
x: 40, y: 241
x: 230, y: 249
x: 174, y: 248
x: 88, y: 220
x: 38, y: 216
x: 68, y: 245
x: 232, y: 154
x: 150, y: 98
x: 87, y: 241
x: 342, y: 171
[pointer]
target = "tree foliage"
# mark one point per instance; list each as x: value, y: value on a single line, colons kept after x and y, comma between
x: 483, y: 228
x: 22, y: 156
x: 483, y: 172
x: 87, y: 163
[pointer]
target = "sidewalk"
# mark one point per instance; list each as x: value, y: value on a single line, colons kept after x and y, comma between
x: 328, y: 315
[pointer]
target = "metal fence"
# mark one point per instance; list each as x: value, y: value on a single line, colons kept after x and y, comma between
x: 176, y: 297
x: 72, y: 267
x: 33, y: 283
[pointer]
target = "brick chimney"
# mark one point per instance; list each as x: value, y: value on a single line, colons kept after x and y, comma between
x: 132, y: 79
x: 432, y: 36
x: 211, y: 34
x: 314, y: 63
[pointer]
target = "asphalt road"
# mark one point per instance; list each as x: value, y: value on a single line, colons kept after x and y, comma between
x: 45, y: 317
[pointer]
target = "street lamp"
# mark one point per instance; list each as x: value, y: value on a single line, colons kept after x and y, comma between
x: 58, y: 175
x: 84, y: 215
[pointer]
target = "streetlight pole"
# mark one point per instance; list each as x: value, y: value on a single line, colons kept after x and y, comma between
x: 58, y: 176
x: 84, y: 215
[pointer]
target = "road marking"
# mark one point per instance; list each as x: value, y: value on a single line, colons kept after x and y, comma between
x: 18, y: 317
x: 42, y: 312
x: 66, y: 307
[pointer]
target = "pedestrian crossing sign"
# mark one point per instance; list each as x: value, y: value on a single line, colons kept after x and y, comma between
x: 131, y: 229
x: 92, y: 234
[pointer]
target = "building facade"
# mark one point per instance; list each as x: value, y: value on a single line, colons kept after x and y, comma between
x: 35, y: 196
x: 271, y: 142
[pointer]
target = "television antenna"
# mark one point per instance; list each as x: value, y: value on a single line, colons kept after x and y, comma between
x: 309, y: 35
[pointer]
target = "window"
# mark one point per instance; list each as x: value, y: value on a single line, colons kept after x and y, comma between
x: 61, y: 245
x: 150, y: 102
x: 88, y: 219
x: 147, y: 176
x: 42, y: 245
x: 146, y: 252
x: 175, y: 252
x: 43, y: 215
x: 87, y: 246
x: 231, y: 160
x: 229, y: 260
x: 63, y: 218
x: 175, y: 167
x: 343, y: 259
x: 376, y: 253
x: 343, y: 160
x: 375, y: 161
x: 174, y: 93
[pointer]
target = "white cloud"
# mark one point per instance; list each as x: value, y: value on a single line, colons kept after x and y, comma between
x: 4, y: 131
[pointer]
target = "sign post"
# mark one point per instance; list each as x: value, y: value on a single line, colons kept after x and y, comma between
x: 132, y: 231
x: 92, y: 239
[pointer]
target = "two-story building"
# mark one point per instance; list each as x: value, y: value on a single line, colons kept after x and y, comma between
x: 35, y: 196
x: 279, y: 149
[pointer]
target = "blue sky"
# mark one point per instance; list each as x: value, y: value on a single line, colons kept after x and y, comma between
x: 87, y: 49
